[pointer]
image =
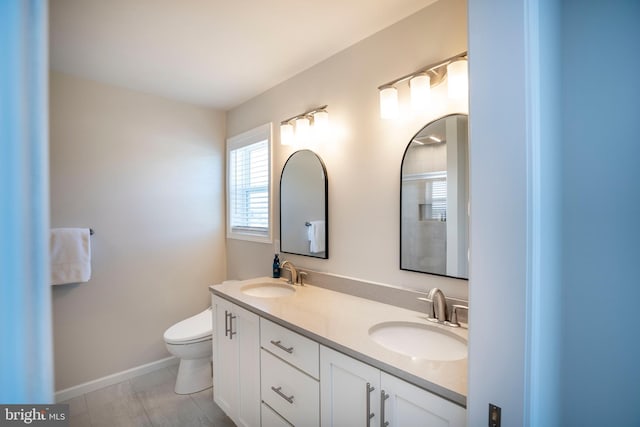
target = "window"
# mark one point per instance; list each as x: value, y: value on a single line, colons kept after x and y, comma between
x: 434, y: 202
x: 249, y: 185
x: 439, y: 199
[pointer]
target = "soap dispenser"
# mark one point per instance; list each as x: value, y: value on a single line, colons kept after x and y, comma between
x: 276, y: 267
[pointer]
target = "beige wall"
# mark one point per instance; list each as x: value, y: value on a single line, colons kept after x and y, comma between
x: 146, y: 174
x: 364, y: 155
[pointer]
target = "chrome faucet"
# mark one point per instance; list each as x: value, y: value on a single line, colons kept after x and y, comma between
x: 437, y: 311
x: 293, y: 278
x: 439, y: 304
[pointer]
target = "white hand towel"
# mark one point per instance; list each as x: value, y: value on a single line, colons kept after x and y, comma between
x: 316, y: 236
x: 70, y: 255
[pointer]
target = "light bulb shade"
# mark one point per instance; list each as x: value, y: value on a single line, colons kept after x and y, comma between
x: 286, y: 134
x: 458, y: 79
x: 321, y: 121
x: 302, y: 130
x: 420, y: 92
x: 389, y: 103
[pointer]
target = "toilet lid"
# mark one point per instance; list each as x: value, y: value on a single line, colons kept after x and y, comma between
x: 193, y: 328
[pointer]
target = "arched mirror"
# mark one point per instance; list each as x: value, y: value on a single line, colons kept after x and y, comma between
x: 434, y: 199
x: 303, y: 206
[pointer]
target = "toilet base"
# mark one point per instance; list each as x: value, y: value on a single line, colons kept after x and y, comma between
x: 194, y: 375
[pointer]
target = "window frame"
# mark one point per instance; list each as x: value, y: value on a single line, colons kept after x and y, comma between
x: 244, y: 139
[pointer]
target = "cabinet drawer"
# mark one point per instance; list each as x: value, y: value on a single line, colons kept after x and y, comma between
x: 300, y: 351
x: 271, y: 419
x: 291, y: 393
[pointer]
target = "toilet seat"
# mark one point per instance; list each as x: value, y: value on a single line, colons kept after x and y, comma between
x: 194, y: 329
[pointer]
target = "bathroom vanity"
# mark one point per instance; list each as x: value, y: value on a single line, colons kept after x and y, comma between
x: 308, y: 356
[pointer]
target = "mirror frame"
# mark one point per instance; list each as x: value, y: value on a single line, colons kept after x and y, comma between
x: 326, y: 206
x: 400, y: 207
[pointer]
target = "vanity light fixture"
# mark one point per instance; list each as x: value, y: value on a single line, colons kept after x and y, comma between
x: 421, y: 81
x: 321, y: 121
x: 287, y: 134
x: 298, y: 129
x: 458, y: 79
x: 420, y: 91
x: 302, y: 129
x: 388, y: 102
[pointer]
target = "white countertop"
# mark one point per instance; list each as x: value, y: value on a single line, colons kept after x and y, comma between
x: 342, y: 322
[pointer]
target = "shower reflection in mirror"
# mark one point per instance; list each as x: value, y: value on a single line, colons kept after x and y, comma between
x: 434, y: 199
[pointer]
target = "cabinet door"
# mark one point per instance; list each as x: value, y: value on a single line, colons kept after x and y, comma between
x: 225, y: 359
x: 408, y: 405
x: 349, y: 391
x: 247, y: 331
x: 236, y: 362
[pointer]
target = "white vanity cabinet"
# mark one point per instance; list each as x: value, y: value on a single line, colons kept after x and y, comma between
x: 289, y: 376
x: 356, y: 394
x: 266, y: 374
x: 236, y: 362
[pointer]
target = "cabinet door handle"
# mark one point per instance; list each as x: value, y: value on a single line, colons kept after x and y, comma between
x: 226, y: 323
x: 281, y: 347
x: 383, y: 396
x: 231, y: 332
x: 282, y: 395
x: 369, y: 414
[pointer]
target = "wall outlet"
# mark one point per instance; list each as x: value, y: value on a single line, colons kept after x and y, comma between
x: 494, y: 415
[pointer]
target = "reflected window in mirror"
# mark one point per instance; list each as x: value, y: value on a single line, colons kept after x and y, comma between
x: 434, y: 199
x: 303, y: 206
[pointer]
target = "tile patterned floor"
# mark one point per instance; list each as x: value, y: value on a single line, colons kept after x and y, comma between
x: 146, y: 401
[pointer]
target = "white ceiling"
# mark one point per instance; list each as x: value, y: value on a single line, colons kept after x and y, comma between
x: 217, y: 53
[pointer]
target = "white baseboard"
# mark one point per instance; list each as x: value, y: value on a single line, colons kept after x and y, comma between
x: 78, y: 390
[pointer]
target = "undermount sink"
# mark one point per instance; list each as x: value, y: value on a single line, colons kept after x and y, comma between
x: 268, y: 290
x: 419, y: 341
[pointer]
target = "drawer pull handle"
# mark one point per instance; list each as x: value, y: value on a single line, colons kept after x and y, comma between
x: 281, y: 347
x: 282, y: 395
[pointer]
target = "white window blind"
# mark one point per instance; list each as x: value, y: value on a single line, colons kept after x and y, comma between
x: 439, y: 200
x: 248, y: 191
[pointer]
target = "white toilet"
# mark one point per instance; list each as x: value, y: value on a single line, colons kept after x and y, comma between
x: 190, y: 340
